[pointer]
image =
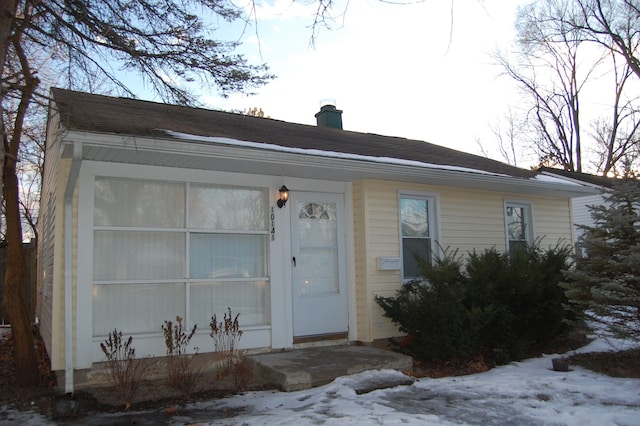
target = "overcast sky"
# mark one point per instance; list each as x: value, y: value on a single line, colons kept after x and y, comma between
x: 420, y: 71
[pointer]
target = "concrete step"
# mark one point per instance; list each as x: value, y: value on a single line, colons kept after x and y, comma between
x: 300, y: 369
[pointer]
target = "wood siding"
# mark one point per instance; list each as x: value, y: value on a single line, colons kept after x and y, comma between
x: 468, y: 220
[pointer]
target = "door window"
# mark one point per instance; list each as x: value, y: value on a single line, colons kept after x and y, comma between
x: 317, y: 233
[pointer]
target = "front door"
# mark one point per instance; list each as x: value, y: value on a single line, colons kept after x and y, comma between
x: 318, y: 261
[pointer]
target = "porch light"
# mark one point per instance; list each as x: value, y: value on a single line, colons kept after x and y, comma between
x: 284, y: 196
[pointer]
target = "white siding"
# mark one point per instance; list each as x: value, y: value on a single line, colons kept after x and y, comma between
x: 581, y: 213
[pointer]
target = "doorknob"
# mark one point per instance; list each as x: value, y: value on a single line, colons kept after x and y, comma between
x: 294, y: 261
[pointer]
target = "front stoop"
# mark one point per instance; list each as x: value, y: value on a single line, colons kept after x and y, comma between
x: 300, y: 369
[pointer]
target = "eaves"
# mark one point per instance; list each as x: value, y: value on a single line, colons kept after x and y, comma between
x: 222, y: 156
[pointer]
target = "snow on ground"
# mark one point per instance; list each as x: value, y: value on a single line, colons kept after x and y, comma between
x: 521, y: 393
x: 525, y: 393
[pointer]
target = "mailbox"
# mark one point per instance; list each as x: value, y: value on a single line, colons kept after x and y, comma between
x: 386, y: 263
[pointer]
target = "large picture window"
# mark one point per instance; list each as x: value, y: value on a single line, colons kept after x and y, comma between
x: 163, y: 249
x: 416, y: 232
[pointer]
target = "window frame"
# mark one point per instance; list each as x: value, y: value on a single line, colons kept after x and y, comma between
x: 529, y: 225
x: 186, y: 280
x: 433, y: 209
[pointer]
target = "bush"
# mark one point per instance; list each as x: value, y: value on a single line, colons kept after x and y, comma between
x: 433, y: 314
x: 125, y: 369
x: 496, y: 306
x: 181, y: 370
x: 226, y: 336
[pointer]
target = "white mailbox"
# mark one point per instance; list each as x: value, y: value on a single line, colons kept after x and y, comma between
x: 386, y: 263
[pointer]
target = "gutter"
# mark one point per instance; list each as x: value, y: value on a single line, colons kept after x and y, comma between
x: 220, y: 155
x: 76, y: 161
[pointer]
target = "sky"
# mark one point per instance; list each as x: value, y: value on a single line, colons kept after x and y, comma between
x: 520, y: 393
x: 421, y: 71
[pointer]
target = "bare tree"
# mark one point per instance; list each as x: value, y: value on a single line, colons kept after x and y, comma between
x: 616, y: 137
x: 547, y: 72
x: 7, y: 13
x: 612, y: 24
x: 555, y: 63
x: 509, y: 134
x: 19, y: 83
x: 31, y: 169
x: 30, y: 166
x: 165, y: 42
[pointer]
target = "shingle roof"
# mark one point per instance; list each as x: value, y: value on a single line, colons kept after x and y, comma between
x: 606, y: 182
x: 104, y: 114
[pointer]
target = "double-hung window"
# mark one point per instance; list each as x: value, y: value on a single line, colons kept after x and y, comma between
x: 519, y: 225
x: 417, y: 232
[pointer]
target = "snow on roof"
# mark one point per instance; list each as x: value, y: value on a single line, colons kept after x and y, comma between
x: 553, y: 179
x: 324, y: 153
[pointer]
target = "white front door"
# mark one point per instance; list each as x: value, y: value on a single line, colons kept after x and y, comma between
x: 318, y: 261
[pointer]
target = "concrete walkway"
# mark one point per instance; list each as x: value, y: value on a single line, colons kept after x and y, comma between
x: 300, y: 369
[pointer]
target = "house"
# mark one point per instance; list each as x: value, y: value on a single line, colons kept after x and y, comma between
x: 581, y: 214
x: 152, y: 211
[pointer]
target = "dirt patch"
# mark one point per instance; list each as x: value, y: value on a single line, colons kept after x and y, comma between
x: 614, y: 364
x: 48, y: 399
x: 454, y: 367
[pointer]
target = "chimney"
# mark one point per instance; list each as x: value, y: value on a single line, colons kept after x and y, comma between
x: 329, y: 116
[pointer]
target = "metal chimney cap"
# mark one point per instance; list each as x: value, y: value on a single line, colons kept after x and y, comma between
x: 327, y: 102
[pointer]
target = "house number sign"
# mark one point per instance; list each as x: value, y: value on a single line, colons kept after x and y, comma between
x: 273, y: 225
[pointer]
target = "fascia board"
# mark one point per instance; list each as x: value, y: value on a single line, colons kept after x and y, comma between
x: 330, y: 168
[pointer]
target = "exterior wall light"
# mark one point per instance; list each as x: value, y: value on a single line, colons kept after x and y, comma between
x: 284, y: 196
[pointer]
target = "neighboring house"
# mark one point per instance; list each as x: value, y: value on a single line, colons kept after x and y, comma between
x: 150, y: 211
x: 581, y: 214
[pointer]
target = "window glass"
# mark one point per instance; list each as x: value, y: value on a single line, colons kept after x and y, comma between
x: 417, y: 241
x: 516, y: 223
x: 410, y: 248
x: 137, y: 308
x: 248, y: 298
x: 219, y: 256
x: 317, y: 224
x: 138, y: 255
x: 414, y: 214
x: 518, y: 227
x: 318, y: 239
x: 138, y: 203
x: 227, y: 208
x: 140, y: 273
x: 319, y: 269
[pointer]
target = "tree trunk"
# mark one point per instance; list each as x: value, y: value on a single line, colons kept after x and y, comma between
x: 7, y: 15
x: 27, y: 373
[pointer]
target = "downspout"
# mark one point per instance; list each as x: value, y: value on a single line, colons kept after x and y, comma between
x: 76, y: 160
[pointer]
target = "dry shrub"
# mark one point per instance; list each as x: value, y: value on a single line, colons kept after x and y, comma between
x: 226, y: 336
x: 182, y: 372
x: 125, y: 370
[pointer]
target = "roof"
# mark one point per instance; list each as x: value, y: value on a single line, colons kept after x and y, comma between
x: 109, y: 129
x: 104, y: 114
x: 601, y: 181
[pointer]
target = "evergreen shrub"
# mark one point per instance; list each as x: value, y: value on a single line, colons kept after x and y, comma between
x: 494, y: 305
x: 604, y: 286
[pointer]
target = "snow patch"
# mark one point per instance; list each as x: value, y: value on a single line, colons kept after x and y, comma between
x: 323, y: 153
